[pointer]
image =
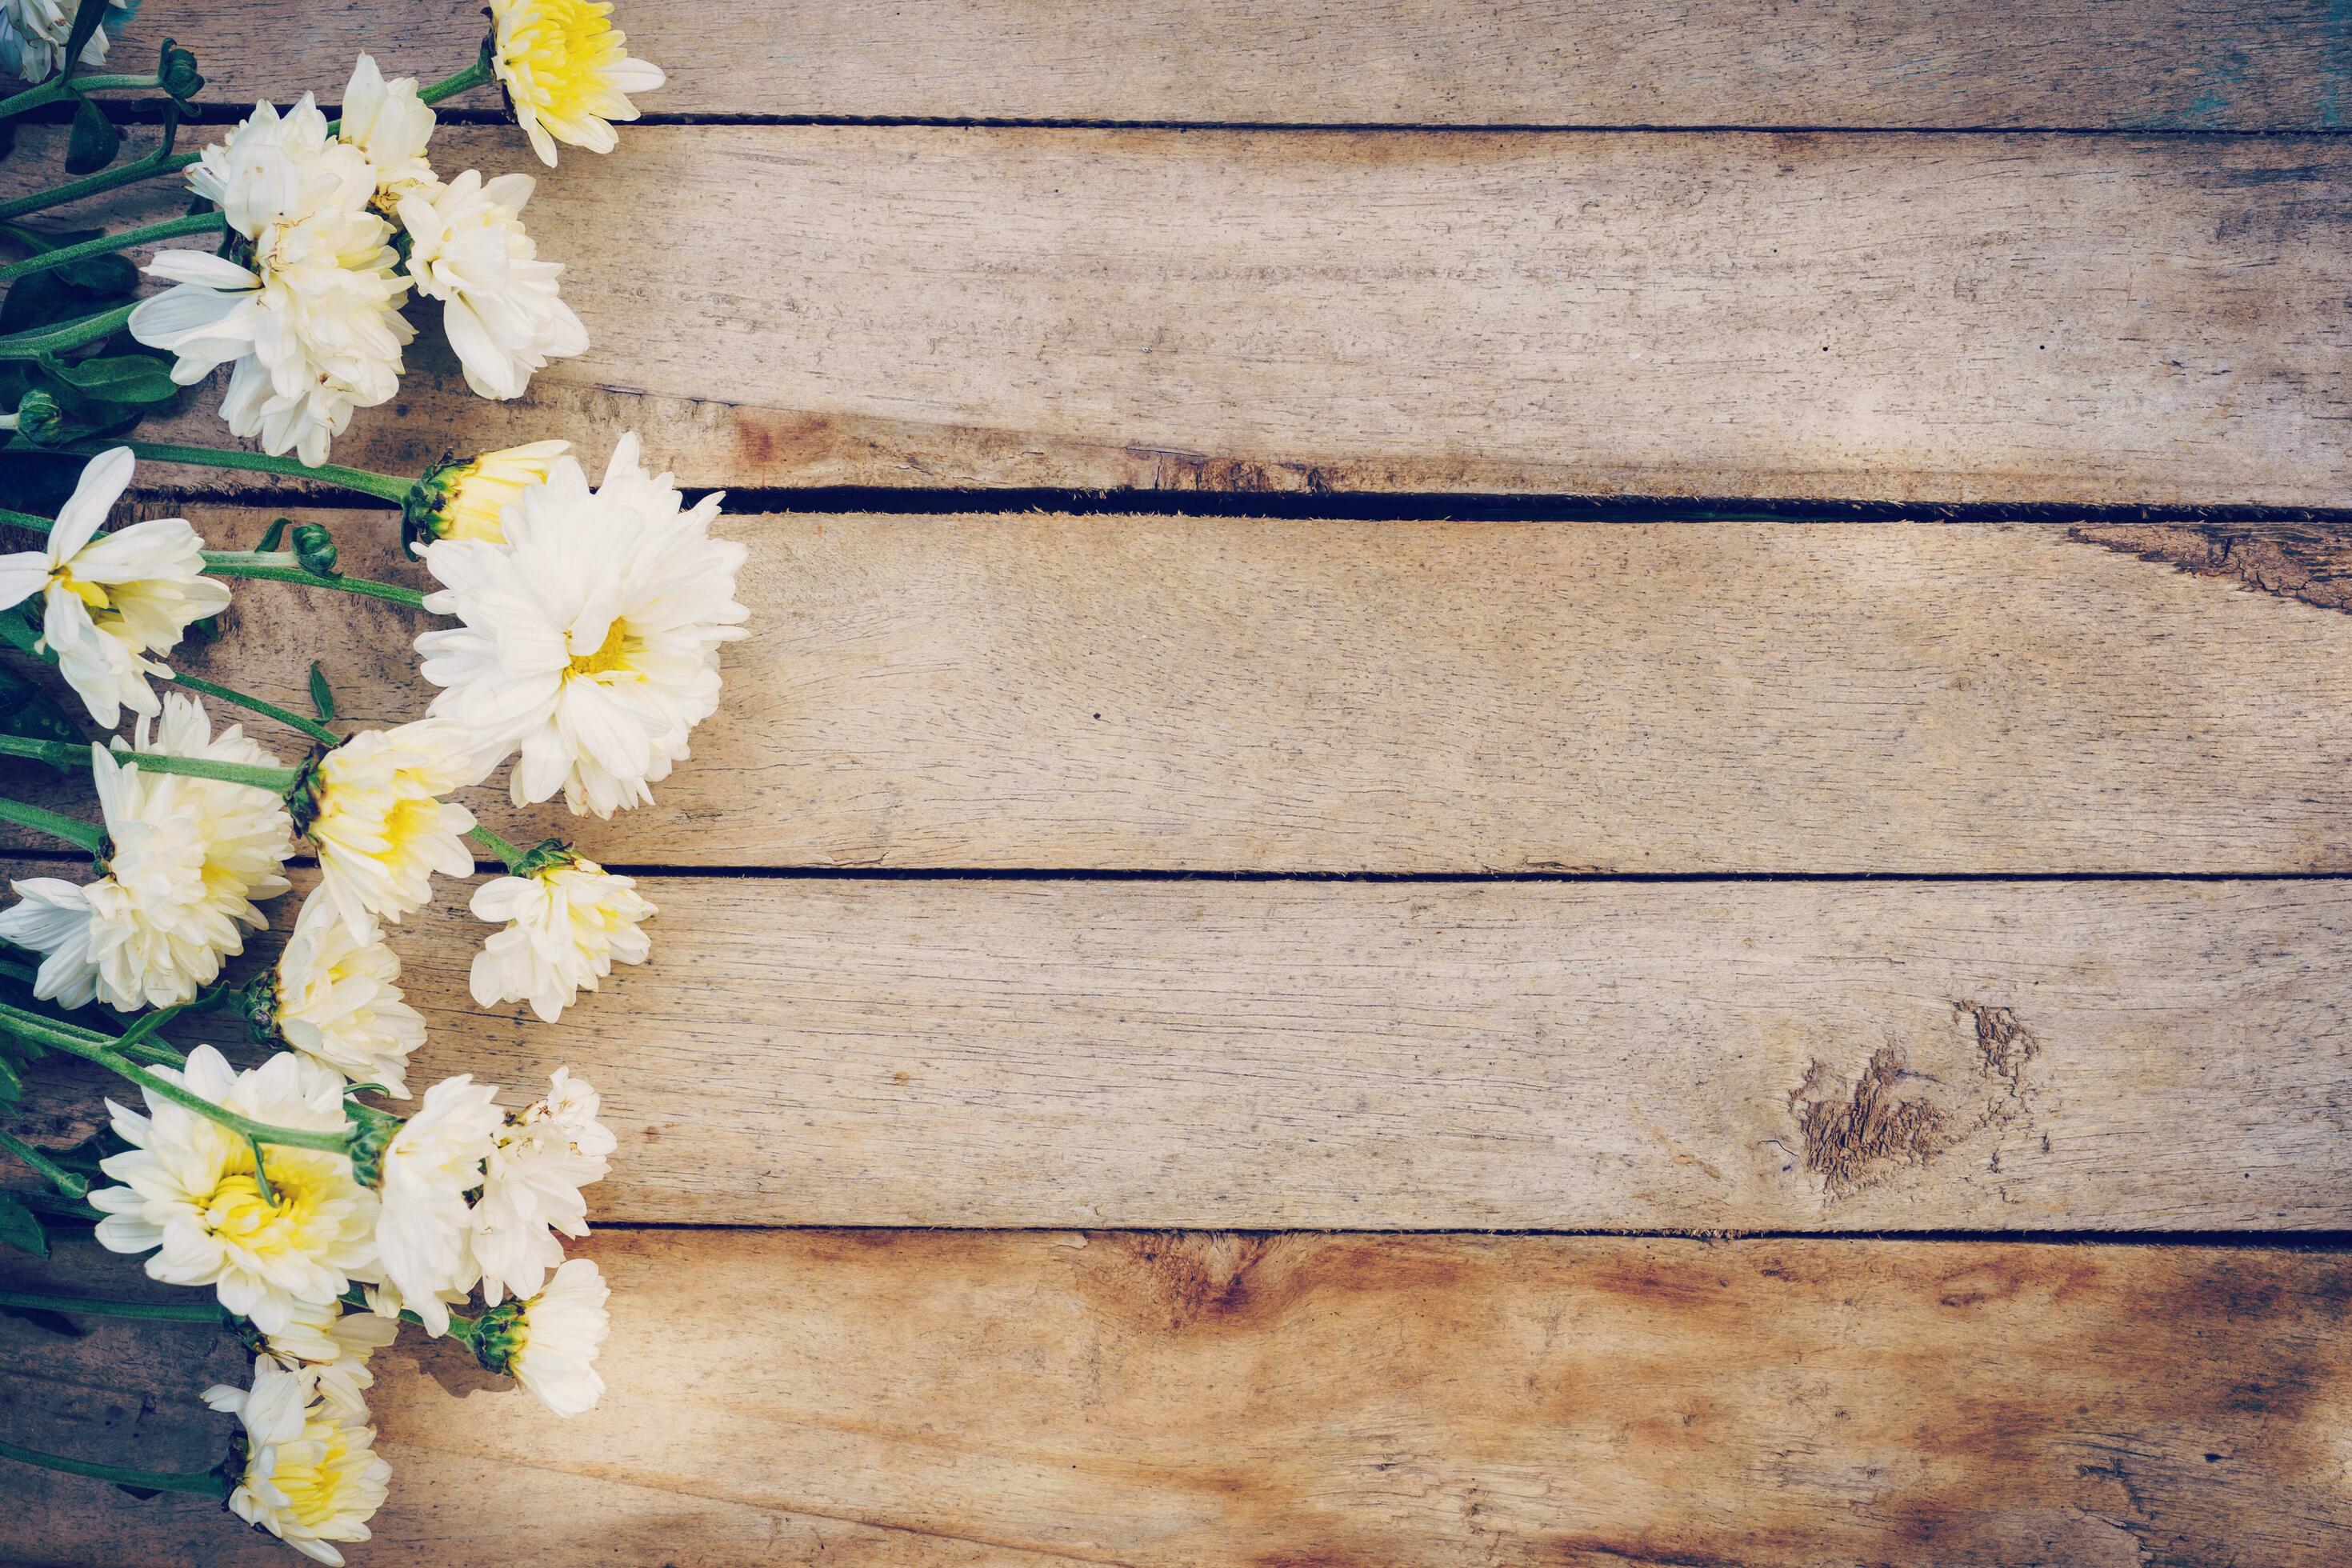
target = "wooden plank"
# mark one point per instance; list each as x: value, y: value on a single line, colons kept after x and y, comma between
x: 1129, y: 692
x: 1753, y: 1055
x: 913, y: 1399
x: 1953, y: 319
x: 1944, y: 63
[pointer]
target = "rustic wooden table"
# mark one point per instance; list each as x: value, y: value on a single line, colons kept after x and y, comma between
x: 1305, y: 943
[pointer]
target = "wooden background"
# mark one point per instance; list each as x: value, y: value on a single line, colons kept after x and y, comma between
x: 1518, y: 782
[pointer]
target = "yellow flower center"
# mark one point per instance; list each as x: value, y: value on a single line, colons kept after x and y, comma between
x: 241, y: 1214
x: 91, y: 593
x: 318, y: 1491
x: 563, y: 49
x: 611, y: 654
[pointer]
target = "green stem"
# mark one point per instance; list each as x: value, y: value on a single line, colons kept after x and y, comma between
x: 71, y: 335
x: 461, y: 1327
x: 284, y: 567
x: 496, y: 846
x: 57, y: 754
x: 475, y: 75
x: 171, y: 228
x: 48, y: 1169
x: 63, y: 84
x: 151, y: 1051
x: 56, y: 1208
x: 157, y: 162
x: 81, y: 835
x: 41, y: 1031
x: 285, y: 716
x: 98, y: 1306
x: 162, y: 163
x: 383, y: 487
x: 209, y: 1484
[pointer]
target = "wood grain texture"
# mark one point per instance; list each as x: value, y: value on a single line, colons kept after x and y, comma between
x: 2282, y: 65
x: 1154, y: 693
x: 1793, y: 1056
x: 1951, y: 318
x: 910, y: 1398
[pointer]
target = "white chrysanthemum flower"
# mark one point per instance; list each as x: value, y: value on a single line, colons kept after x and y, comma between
x: 567, y: 72
x: 592, y: 635
x: 431, y: 1163
x: 391, y: 125
x: 189, y: 1193
x: 379, y: 823
x: 109, y: 600
x: 469, y: 500
x: 311, y: 323
x: 312, y: 1475
x: 568, y: 922
x: 531, y: 1187
x: 338, y: 999
x: 550, y: 1342
x: 189, y: 856
x: 335, y: 1344
x: 468, y: 248
x: 34, y: 32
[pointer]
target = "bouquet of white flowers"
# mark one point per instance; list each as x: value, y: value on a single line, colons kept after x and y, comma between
x: 580, y: 640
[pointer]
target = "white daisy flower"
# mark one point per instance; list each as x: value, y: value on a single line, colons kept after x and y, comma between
x: 591, y: 637
x: 308, y: 314
x: 312, y: 1475
x: 531, y: 1187
x: 567, y: 72
x: 390, y: 125
x: 109, y: 600
x: 335, y: 1345
x: 337, y: 999
x: 34, y: 32
x: 375, y: 813
x: 189, y: 1197
x: 468, y: 248
x: 188, y: 858
x: 567, y: 922
x: 429, y: 1166
x: 549, y: 1343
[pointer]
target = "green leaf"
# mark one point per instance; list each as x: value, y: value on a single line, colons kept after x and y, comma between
x: 107, y: 277
x: 322, y: 696
x: 137, y: 379
x: 85, y: 27
x: 19, y: 1229
x: 94, y: 141
x: 41, y: 300
x: 42, y: 1318
x: 12, y: 1086
x: 277, y: 531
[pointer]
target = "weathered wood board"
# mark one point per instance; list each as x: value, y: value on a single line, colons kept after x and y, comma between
x: 2074, y: 319
x: 2278, y: 66
x: 2041, y: 1055
x: 1151, y: 693
x: 908, y: 1397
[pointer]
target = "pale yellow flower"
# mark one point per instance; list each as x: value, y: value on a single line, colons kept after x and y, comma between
x: 312, y: 1476
x: 567, y: 71
x: 469, y: 500
x: 375, y: 815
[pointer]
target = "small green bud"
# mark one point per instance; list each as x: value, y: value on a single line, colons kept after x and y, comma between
x: 314, y: 547
x: 41, y: 420
x: 175, y: 71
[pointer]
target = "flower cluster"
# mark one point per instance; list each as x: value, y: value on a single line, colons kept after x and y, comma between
x: 581, y: 635
x: 332, y: 233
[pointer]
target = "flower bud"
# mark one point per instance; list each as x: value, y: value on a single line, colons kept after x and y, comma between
x: 314, y: 547
x: 469, y: 499
x: 175, y: 72
x: 41, y: 421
